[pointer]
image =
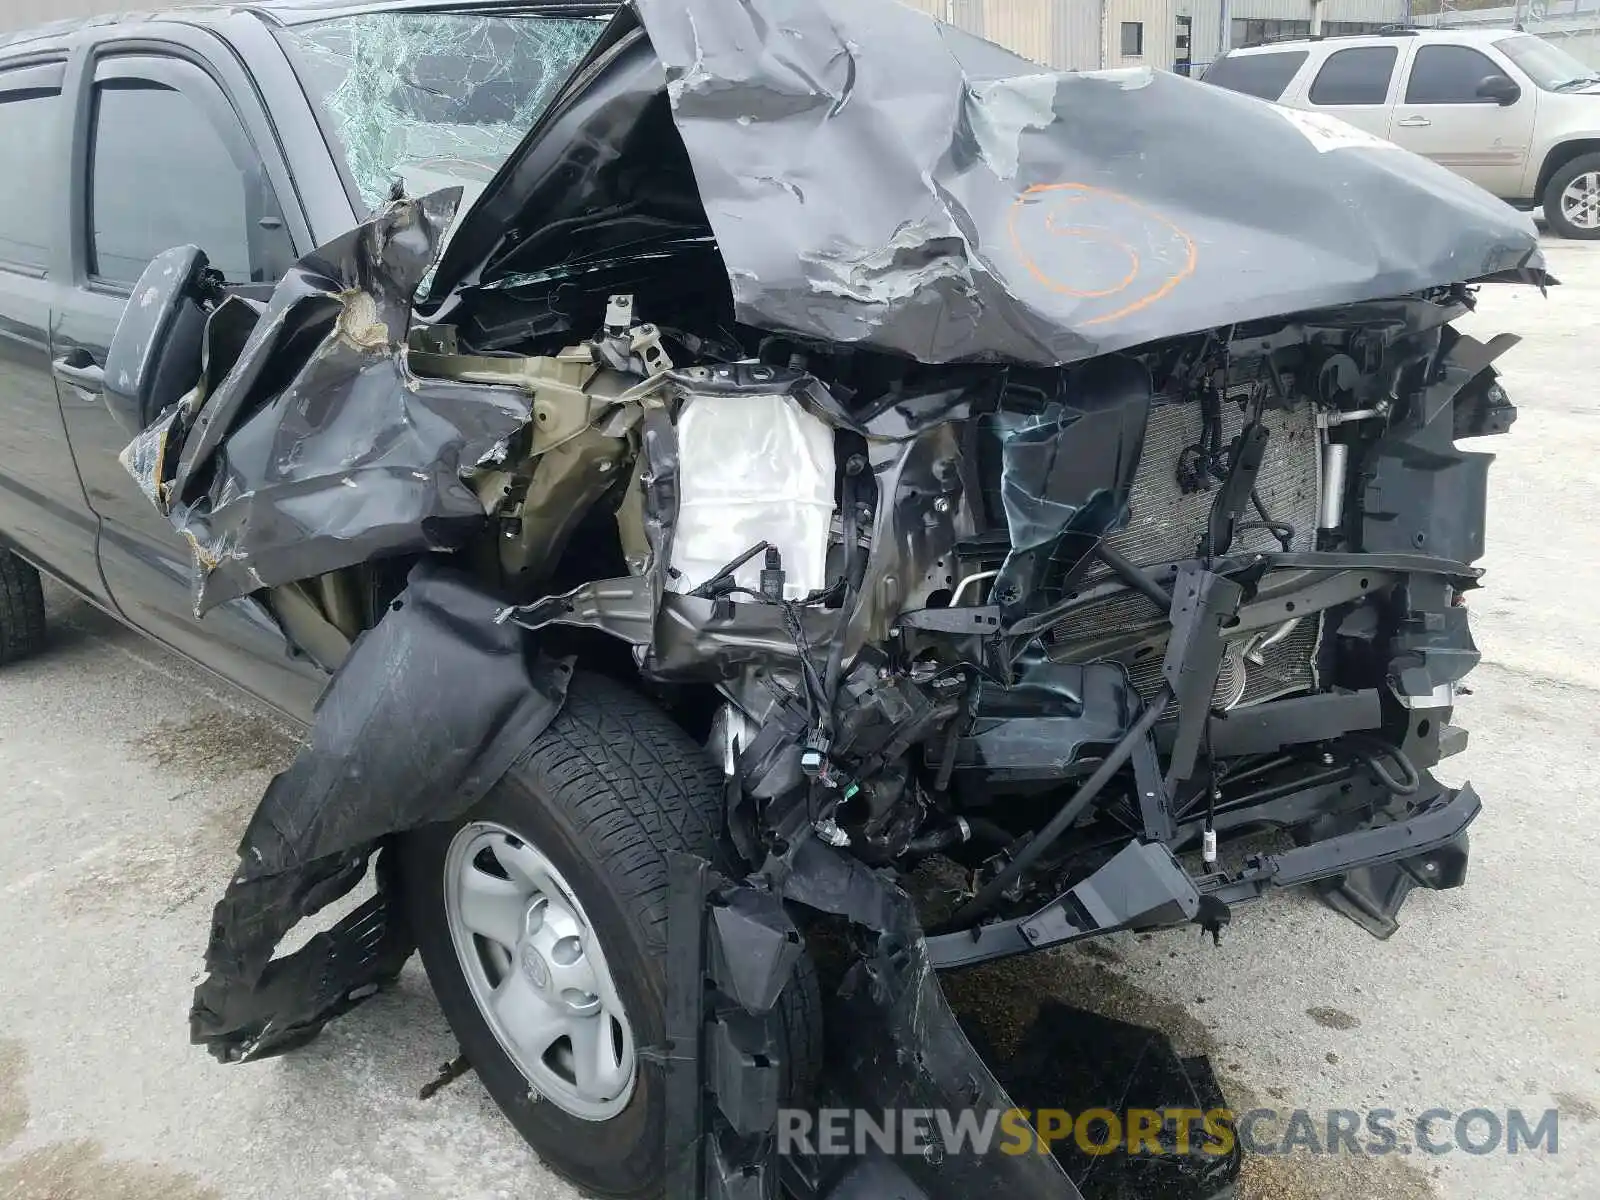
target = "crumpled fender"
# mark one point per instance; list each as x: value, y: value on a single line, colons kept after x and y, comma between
x: 316, y: 447
x: 429, y: 710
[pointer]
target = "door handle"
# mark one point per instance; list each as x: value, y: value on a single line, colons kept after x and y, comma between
x: 86, y: 376
x: 1414, y: 123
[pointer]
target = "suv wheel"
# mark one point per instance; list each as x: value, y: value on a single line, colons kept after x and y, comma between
x: 21, y: 609
x: 1572, y: 198
x: 542, y: 920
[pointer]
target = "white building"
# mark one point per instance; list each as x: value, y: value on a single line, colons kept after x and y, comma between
x: 1219, y: 25
x: 1182, y: 35
x: 1067, y: 34
x: 1081, y: 35
x: 1573, y: 25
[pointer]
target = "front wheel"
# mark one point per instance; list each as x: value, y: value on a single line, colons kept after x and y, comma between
x: 21, y: 609
x: 1572, y: 199
x: 542, y: 920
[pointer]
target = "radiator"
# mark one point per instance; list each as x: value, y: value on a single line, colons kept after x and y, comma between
x: 1166, y: 524
x: 1284, y: 668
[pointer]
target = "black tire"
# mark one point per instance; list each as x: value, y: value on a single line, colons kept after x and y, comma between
x: 609, y: 789
x: 21, y: 609
x: 1582, y: 165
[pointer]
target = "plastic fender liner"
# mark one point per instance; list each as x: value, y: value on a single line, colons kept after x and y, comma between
x: 430, y: 709
x: 894, y: 1044
x: 899, y: 1047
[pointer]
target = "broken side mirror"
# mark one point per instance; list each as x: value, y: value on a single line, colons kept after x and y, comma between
x: 1502, y: 89
x: 155, y: 354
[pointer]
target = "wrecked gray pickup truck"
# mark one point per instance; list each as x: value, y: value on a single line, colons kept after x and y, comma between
x: 831, y: 453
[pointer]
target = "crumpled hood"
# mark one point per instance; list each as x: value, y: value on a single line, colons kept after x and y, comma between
x: 875, y: 177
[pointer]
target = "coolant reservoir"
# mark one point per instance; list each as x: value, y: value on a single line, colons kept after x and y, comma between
x: 752, y: 468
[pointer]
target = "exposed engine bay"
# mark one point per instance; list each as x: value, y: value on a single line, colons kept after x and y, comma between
x: 1024, y: 618
x: 1028, y: 619
x: 939, y: 569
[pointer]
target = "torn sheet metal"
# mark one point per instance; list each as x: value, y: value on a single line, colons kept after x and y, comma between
x: 1079, y: 456
x: 1066, y: 478
x: 876, y: 177
x: 319, y: 449
x: 430, y: 709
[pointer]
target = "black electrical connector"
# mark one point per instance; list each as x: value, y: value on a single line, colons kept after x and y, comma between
x: 772, y: 575
x: 722, y: 582
x: 814, y: 761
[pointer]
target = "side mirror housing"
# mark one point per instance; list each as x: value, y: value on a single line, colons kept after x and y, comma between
x: 155, y: 355
x: 1502, y: 89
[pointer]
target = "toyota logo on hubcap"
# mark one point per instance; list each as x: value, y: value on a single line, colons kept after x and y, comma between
x: 534, y: 966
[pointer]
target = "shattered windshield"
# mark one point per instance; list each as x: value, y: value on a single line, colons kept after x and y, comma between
x: 434, y: 99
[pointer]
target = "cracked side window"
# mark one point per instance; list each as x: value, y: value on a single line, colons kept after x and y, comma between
x: 434, y: 99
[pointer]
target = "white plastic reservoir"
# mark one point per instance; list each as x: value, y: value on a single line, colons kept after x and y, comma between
x: 752, y: 468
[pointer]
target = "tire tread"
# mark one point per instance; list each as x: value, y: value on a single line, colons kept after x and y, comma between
x: 637, y: 787
x: 22, y: 623
x: 619, y: 787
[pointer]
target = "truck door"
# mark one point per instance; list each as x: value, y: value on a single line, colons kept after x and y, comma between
x: 162, y: 159
x: 1441, y: 116
x: 42, y: 508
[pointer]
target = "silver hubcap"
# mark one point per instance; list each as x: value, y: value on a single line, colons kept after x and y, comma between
x: 1580, y: 202
x: 535, y: 967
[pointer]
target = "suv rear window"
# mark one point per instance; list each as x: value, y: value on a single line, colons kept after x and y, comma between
x: 1263, y: 75
x: 1359, y: 75
x: 434, y: 99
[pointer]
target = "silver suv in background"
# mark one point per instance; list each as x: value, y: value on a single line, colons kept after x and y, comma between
x: 1509, y: 111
